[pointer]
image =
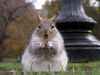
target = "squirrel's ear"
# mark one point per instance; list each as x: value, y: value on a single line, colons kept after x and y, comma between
x: 53, y: 18
x: 40, y: 18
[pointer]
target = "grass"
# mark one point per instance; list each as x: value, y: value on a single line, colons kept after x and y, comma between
x: 15, y: 68
x: 10, y: 66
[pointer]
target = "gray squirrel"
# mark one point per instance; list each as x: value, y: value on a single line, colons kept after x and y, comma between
x: 46, y: 51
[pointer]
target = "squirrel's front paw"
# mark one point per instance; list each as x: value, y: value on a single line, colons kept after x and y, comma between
x: 49, y: 45
x: 46, y: 45
x: 42, y: 45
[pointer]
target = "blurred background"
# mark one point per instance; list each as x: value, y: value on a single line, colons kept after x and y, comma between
x: 18, y: 18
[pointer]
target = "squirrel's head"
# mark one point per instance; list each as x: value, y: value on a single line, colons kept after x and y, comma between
x: 46, y: 27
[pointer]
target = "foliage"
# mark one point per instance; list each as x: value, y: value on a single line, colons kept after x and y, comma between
x: 95, y: 14
x: 17, y: 21
x: 53, y: 7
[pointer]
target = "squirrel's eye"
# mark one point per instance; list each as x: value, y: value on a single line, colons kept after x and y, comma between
x: 52, y: 26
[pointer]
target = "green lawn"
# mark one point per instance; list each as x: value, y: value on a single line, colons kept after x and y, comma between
x: 15, y: 68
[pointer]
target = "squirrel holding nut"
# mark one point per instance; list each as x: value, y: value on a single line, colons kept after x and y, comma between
x: 46, y: 51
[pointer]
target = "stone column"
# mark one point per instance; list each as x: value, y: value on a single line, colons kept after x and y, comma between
x: 76, y: 27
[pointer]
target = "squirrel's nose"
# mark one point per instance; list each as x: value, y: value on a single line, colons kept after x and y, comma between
x: 46, y: 35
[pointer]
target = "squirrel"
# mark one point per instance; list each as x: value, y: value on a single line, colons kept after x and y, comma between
x: 46, y: 51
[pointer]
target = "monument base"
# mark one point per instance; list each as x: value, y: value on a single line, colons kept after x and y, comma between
x: 76, y: 28
x: 80, y: 44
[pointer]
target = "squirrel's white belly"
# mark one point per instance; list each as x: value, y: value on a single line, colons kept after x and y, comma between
x: 57, y: 64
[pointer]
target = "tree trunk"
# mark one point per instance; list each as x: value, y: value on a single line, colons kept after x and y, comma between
x: 1, y: 50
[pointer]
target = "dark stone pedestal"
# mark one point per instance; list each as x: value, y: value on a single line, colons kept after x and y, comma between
x: 76, y: 28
